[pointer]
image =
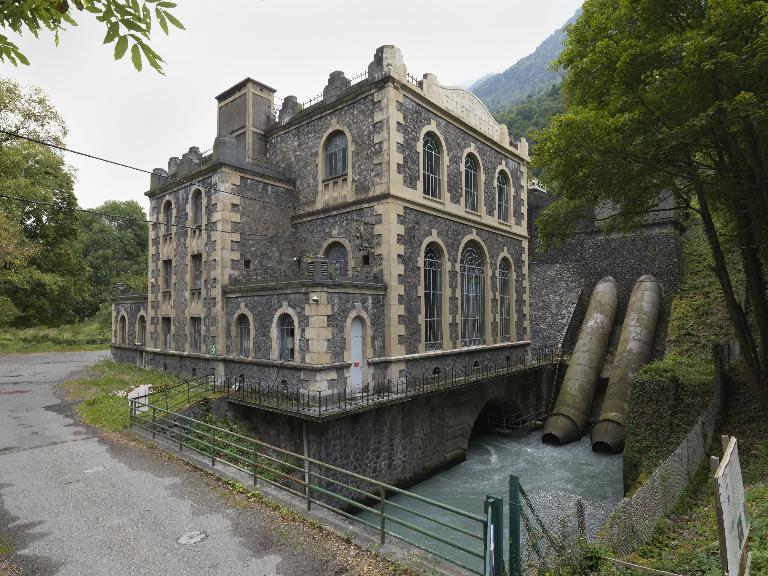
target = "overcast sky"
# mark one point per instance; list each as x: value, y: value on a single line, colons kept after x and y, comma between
x: 292, y: 45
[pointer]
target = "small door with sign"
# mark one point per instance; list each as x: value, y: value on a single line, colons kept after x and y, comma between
x: 356, y: 356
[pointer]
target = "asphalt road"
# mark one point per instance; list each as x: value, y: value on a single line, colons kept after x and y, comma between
x: 74, y: 503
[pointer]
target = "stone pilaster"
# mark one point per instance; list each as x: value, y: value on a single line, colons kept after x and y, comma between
x: 390, y: 234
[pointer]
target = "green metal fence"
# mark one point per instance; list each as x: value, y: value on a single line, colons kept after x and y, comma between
x: 330, y: 487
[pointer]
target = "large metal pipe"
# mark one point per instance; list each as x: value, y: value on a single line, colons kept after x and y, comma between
x: 634, y: 350
x: 567, y: 420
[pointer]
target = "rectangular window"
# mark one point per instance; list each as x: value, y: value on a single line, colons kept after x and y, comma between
x: 166, y: 330
x: 167, y: 274
x: 197, y: 271
x: 196, y: 333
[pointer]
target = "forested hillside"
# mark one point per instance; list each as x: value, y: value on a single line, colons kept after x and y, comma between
x: 533, y: 114
x: 527, y: 77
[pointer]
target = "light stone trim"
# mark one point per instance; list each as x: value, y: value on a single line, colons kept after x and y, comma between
x: 318, y: 334
x: 275, y: 333
x: 510, y: 197
x: 447, y: 293
x: 487, y: 318
x: 116, y: 336
x: 526, y: 293
x: 142, y: 313
x: 334, y: 239
x: 444, y: 199
x: 358, y: 312
x: 342, y: 188
x: 393, y: 268
x: 243, y: 310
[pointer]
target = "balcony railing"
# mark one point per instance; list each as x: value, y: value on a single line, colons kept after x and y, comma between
x: 317, y: 269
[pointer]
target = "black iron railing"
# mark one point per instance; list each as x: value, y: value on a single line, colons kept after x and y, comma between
x: 334, y: 402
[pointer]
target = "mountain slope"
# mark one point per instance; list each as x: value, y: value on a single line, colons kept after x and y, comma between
x: 528, y: 76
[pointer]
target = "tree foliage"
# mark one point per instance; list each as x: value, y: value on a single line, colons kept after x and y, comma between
x: 670, y: 96
x: 127, y: 24
x: 114, y: 248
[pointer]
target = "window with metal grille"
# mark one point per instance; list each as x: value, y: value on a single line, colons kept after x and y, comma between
x: 431, y: 174
x: 168, y: 217
x: 502, y: 191
x: 197, y: 271
x: 338, y: 259
x: 287, y: 340
x: 167, y: 274
x: 243, y: 336
x: 505, y: 303
x: 141, y: 330
x: 472, y: 296
x: 470, y: 183
x: 197, y: 208
x: 196, y: 333
x: 336, y: 155
x: 166, y: 332
x: 433, y: 294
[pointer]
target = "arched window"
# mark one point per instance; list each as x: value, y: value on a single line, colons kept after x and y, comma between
x: 470, y: 183
x: 502, y: 195
x: 141, y: 330
x: 505, y: 302
x: 472, y: 296
x: 287, y: 337
x: 197, y: 208
x: 338, y: 259
x: 336, y: 155
x: 243, y: 336
x: 122, y: 330
x: 168, y: 217
x: 433, y: 298
x: 431, y: 167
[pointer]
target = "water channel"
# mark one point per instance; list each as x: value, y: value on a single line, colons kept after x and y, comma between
x: 554, y: 477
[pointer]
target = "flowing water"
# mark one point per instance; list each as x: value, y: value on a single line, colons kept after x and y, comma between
x: 554, y: 477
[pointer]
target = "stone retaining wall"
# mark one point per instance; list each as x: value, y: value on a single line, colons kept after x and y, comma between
x: 634, y: 520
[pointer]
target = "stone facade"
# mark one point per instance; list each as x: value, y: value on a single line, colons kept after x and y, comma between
x: 268, y: 253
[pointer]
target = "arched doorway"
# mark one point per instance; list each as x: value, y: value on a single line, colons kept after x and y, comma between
x: 357, y: 330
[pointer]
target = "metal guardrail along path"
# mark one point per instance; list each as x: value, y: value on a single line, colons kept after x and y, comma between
x: 317, y: 483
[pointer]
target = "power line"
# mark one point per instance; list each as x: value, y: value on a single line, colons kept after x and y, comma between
x: 134, y: 219
x: 137, y: 169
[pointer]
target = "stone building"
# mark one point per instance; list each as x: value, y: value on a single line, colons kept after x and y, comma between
x: 378, y: 230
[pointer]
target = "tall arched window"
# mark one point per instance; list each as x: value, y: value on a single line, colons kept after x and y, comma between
x: 433, y: 298
x: 197, y: 208
x: 470, y: 183
x: 505, y: 302
x: 122, y: 330
x: 338, y: 259
x: 141, y: 330
x: 336, y: 155
x: 502, y: 195
x: 431, y: 174
x: 472, y: 296
x: 243, y: 336
x: 287, y: 337
x: 168, y: 217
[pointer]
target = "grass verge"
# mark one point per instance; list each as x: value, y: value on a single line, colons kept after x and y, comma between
x: 687, y: 541
x: 102, y: 393
x: 87, y: 335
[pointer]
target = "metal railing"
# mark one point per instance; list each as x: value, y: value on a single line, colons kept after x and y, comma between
x: 321, y: 404
x: 316, y: 482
